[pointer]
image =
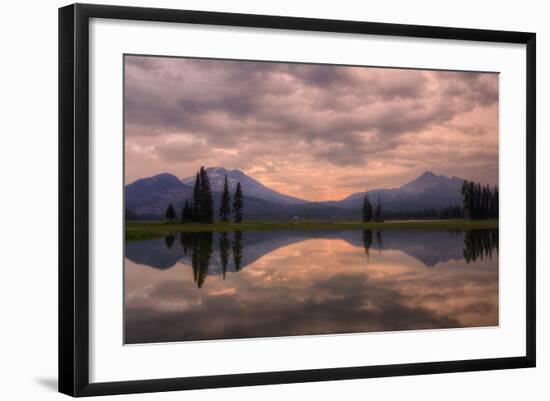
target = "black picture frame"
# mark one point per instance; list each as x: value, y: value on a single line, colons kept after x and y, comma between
x: 74, y: 198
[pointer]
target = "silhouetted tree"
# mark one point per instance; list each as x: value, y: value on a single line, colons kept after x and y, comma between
x: 170, y: 213
x: 238, y: 204
x: 495, y: 203
x: 206, y: 200
x: 196, y: 205
x: 479, y: 202
x: 449, y: 212
x: 466, y: 199
x: 225, y: 207
x: 367, y: 209
x: 186, y: 213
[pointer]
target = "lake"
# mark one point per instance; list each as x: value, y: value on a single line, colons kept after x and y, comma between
x: 209, y: 285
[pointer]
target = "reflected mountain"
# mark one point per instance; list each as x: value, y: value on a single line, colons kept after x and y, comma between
x: 298, y: 283
x: 218, y: 253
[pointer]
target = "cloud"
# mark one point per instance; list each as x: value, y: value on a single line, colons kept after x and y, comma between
x: 335, y: 119
x: 291, y: 291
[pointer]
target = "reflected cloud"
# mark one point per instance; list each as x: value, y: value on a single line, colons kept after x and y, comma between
x: 315, y: 283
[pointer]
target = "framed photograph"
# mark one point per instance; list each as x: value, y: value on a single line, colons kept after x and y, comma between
x: 251, y: 199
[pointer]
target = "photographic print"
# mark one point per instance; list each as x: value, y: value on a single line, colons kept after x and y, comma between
x: 268, y: 199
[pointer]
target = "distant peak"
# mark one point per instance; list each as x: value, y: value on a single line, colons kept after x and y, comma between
x: 163, y: 176
x: 428, y: 173
x: 216, y: 170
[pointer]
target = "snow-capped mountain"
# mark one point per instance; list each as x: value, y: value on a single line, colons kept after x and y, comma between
x: 249, y: 185
x: 148, y: 198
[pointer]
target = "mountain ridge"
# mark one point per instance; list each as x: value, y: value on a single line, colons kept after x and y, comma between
x: 149, y: 197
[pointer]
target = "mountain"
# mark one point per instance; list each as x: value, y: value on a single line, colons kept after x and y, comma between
x: 249, y: 185
x: 148, y: 198
x: 428, y: 247
x: 427, y: 191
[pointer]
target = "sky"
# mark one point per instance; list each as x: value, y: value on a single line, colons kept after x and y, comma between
x: 317, y: 132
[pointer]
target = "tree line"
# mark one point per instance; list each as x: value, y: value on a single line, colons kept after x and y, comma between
x: 479, y: 202
x: 200, y: 246
x: 446, y: 213
x: 370, y: 214
x: 201, y: 207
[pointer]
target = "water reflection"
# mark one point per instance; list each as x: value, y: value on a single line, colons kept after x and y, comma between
x: 479, y: 244
x: 429, y: 247
x: 367, y: 241
x: 256, y: 284
x: 238, y: 249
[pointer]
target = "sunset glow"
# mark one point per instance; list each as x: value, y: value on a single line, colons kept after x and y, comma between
x: 317, y: 132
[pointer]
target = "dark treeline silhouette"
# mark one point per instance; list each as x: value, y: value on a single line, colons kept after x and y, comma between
x: 447, y: 213
x: 367, y: 209
x: 200, y: 246
x: 170, y: 212
x: 368, y: 213
x: 238, y: 204
x: 479, y: 202
x: 480, y: 244
x: 225, y: 204
x: 201, y: 207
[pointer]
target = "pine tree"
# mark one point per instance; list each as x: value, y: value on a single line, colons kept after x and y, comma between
x: 196, y: 205
x: 367, y: 209
x: 378, y: 211
x: 479, y: 202
x: 170, y: 213
x: 465, y: 191
x: 238, y: 204
x: 225, y: 207
x: 496, y: 202
x: 186, y: 213
x: 206, y: 201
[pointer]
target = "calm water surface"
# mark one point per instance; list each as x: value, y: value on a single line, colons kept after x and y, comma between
x: 201, y: 286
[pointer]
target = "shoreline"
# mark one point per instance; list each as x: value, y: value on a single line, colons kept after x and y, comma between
x: 148, y: 230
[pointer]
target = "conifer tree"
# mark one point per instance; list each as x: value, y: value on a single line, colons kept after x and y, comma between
x: 170, y: 213
x: 367, y: 209
x: 186, y: 212
x: 466, y: 197
x: 479, y: 202
x: 196, y: 205
x: 238, y: 204
x: 225, y: 207
x: 206, y: 200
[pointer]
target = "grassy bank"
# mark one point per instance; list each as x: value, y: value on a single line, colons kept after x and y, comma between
x: 146, y: 230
